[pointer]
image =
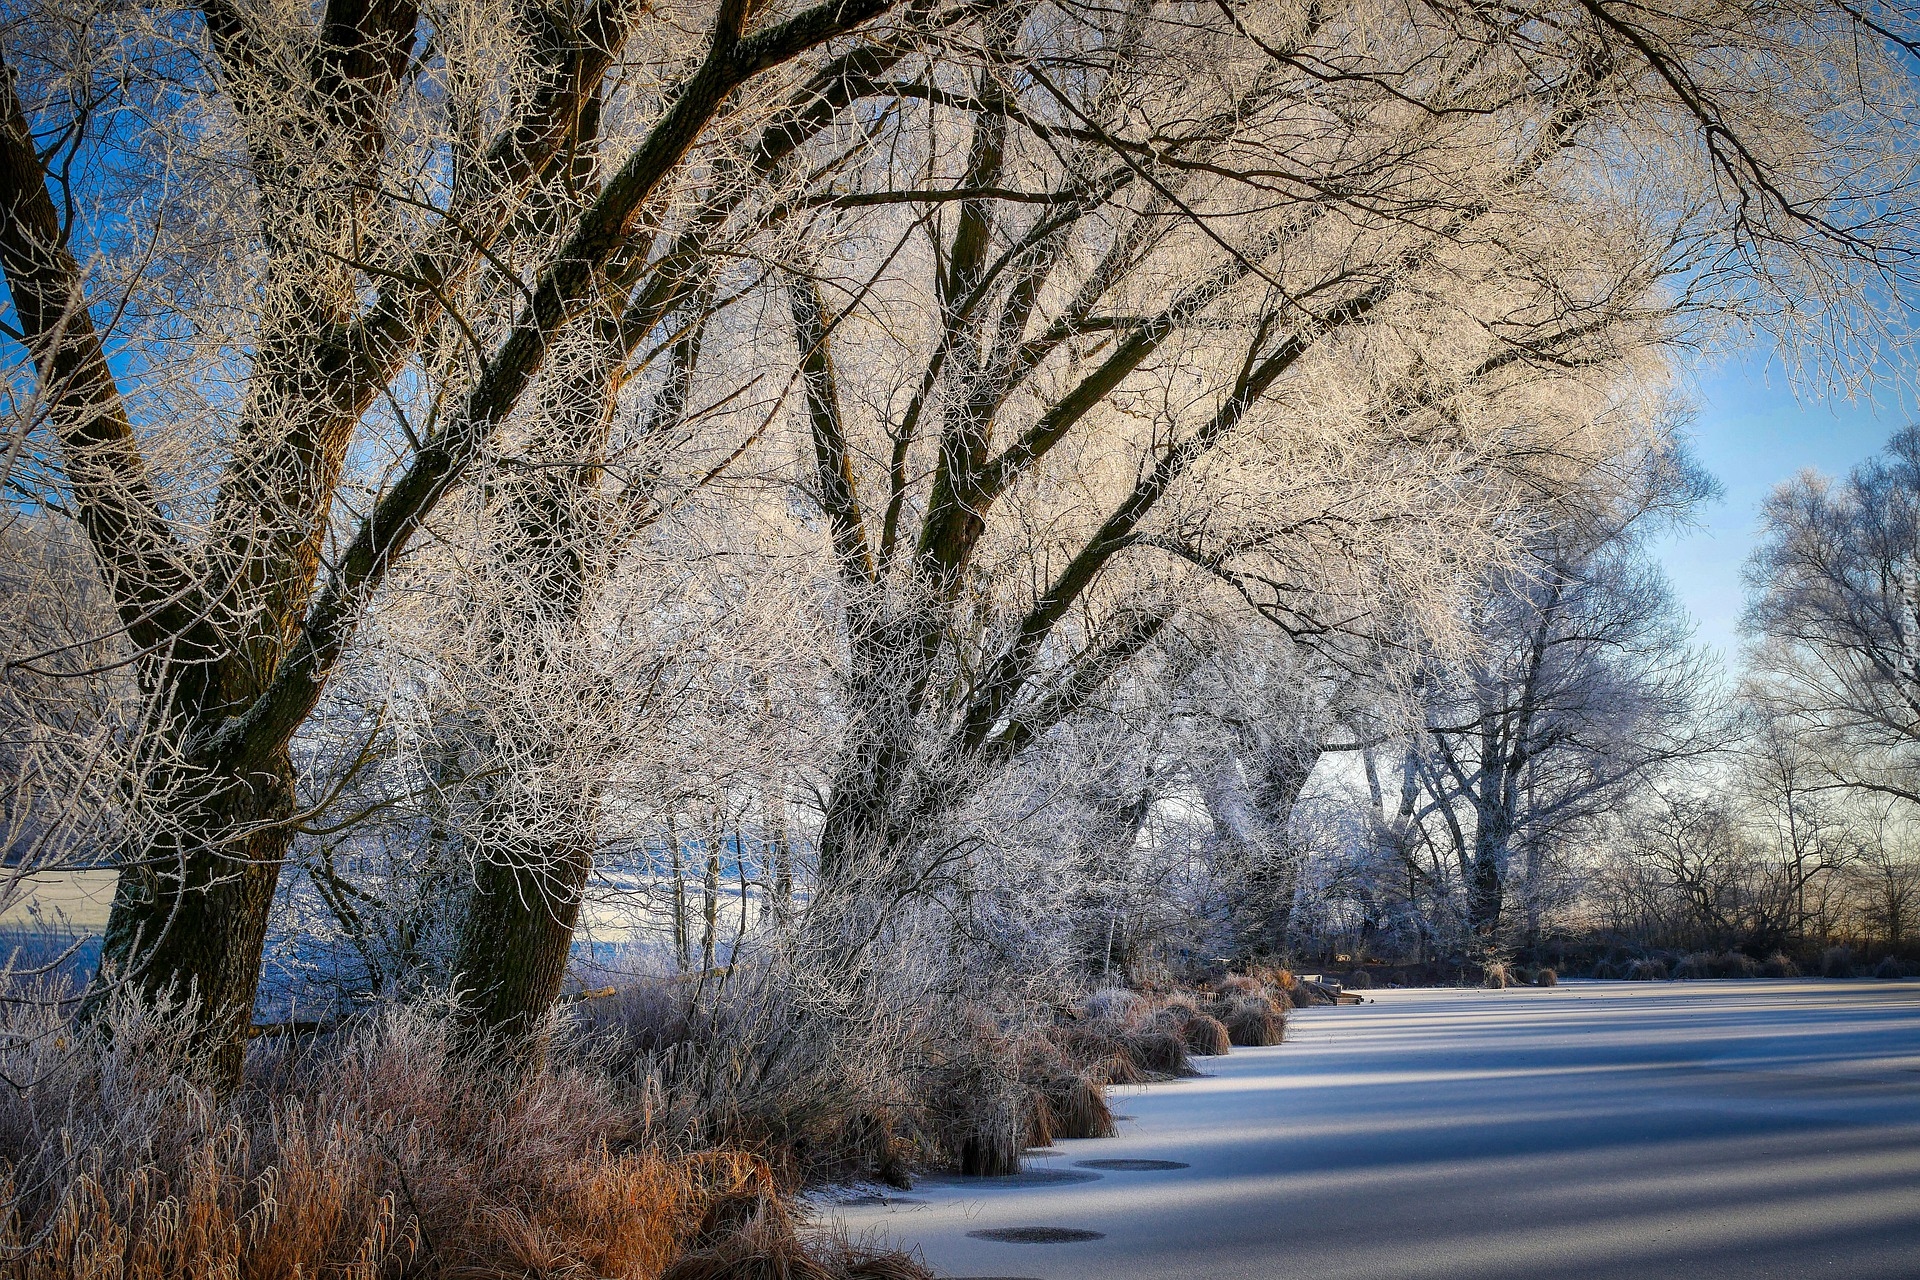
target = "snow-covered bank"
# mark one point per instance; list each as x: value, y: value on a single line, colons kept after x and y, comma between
x: 1596, y: 1130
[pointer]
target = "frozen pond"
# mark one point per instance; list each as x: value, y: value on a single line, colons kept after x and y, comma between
x: 1596, y: 1130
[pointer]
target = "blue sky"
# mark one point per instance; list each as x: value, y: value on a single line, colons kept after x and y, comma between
x: 1756, y: 427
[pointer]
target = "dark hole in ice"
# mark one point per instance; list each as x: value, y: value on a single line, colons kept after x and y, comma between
x: 865, y: 1201
x: 1036, y: 1235
x: 1132, y: 1166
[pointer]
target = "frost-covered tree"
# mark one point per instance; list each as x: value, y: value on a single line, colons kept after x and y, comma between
x: 281, y: 275
x: 1586, y: 687
x: 1835, y: 616
x: 1101, y: 355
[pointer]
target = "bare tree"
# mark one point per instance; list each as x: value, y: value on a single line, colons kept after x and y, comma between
x: 1261, y: 711
x: 407, y: 298
x: 590, y: 477
x: 1702, y: 869
x: 1071, y: 394
x: 1835, y: 612
x: 1886, y: 875
x: 1586, y: 689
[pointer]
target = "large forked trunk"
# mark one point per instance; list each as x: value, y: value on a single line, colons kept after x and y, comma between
x: 561, y: 535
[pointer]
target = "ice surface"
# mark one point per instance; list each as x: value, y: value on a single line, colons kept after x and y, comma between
x: 1593, y: 1131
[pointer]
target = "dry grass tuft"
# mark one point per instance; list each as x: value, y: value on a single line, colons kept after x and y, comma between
x: 1206, y: 1036
x: 1039, y: 1119
x: 760, y: 1242
x: 1177, y: 1013
x: 1242, y: 984
x: 1703, y: 964
x: 1119, y: 1068
x: 1079, y: 1108
x: 1252, y: 1021
x: 1158, y: 1051
x: 752, y: 1255
x: 1546, y: 978
x: 988, y: 1153
x: 853, y: 1260
x: 978, y: 1117
x: 739, y: 1208
x: 1495, y: 976
x: 1115, y: 1004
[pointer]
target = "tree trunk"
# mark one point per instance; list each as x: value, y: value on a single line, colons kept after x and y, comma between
x: 552, y: 553
x: 515, y: 942
x: 781, y: 847
x: 859, y: 831
x: 189, y: 917
x: 1278, y: 876
x: 710, y: 901
x: 1485, y: 892
x: 1535, y: 874
x: 1253, y: 821
x: 681, y: 939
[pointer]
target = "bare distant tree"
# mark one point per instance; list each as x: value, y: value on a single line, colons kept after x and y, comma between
x: 1835, y: 614
x: 1886, y: 876
x: 1586, y: 689
x: 1699, y: 865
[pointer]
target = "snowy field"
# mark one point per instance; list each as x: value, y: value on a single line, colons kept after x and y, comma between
x: 1642, y: 1131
